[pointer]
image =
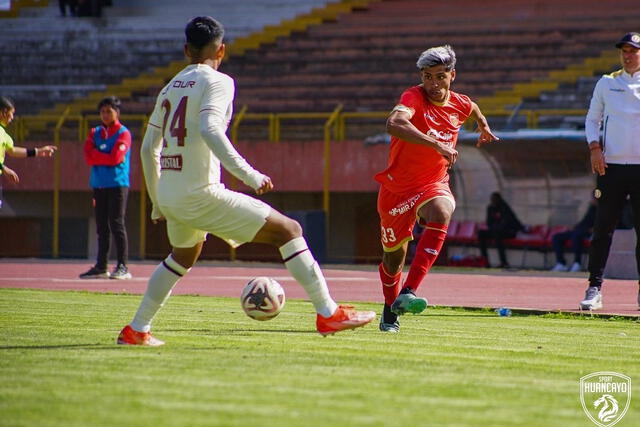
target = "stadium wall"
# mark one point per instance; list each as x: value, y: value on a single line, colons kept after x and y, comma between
x: 547, y: 181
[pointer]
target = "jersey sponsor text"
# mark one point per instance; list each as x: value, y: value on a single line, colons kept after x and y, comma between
x: 171, y: 162
x: 183, y: 84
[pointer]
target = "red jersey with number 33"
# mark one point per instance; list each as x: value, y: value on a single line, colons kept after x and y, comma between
x: 412, y: 167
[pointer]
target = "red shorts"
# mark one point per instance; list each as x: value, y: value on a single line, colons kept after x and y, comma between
x: 399, y: 212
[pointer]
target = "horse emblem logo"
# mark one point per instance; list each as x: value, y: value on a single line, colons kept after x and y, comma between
x: 605, y: 397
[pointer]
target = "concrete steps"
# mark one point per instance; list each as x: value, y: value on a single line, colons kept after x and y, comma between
x: 135, y: 43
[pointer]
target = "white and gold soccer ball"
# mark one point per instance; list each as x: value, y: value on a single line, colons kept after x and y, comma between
x: 262, y: 298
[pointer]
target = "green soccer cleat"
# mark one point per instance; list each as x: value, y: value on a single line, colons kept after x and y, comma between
x: 407, y: 302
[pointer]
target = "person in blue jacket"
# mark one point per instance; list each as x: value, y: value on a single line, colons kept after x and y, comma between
x: 108, y: 150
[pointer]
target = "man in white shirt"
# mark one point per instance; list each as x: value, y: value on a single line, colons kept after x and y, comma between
x: 183, y: 148
x: 615, y: 158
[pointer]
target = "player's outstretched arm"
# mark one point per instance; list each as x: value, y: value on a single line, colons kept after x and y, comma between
x: 44, y: 151
x: 213, y: 134
x: 486, y: 136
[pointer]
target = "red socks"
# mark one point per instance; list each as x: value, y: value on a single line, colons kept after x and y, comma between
x: 427, y: 251
x: 390, y: 285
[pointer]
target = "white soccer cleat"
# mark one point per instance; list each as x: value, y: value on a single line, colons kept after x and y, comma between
x: 592, y: 299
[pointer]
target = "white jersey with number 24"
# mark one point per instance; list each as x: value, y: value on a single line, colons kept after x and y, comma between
x: 193, y: 112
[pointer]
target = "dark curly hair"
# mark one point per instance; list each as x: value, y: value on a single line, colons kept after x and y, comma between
x: 202, y: 30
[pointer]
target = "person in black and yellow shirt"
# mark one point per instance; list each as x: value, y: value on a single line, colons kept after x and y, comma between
x: 7, y: 112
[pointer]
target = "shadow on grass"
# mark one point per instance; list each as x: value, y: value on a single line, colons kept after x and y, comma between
x: 277, y: 331
x: 101, y: 346
x: 483, y: 315
x: 240, y: 331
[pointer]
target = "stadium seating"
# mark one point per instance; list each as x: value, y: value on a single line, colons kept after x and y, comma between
x: 537, y: 238
x: 362, y: 59
x: 464, y: 233
x: 55, y: 60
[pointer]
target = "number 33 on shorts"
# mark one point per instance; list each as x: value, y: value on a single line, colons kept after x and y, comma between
x: 387, y: 235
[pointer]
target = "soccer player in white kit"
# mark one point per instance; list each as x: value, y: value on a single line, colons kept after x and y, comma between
x: 183, y: 147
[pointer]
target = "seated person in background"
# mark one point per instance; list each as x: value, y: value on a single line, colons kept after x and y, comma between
x: 502, y: 224
x: 576, y: 235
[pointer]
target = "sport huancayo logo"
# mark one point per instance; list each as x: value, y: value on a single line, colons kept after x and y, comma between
x: 605, y: 397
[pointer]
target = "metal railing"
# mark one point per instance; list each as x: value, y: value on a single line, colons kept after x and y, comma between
x: 22, y: 127
x: 343, y: 117
x: 56, y: 187
x: 326, y: 181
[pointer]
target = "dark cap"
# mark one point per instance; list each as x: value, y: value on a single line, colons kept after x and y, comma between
x: 632, y: 39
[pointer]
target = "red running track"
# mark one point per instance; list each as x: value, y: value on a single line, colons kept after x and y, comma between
x: 517, y: 290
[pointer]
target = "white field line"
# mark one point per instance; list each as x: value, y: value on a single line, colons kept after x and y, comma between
x: 214, y: 277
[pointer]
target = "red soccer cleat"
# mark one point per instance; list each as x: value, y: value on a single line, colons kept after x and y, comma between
x: 128, y: 336
x: 345, y: 317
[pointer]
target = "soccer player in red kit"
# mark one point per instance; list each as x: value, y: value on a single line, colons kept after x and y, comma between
x: 414, y: 187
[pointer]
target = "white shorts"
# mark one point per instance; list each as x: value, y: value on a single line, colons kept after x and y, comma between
x: 234, y: 217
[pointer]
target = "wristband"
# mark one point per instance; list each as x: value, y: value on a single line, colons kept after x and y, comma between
x: 31, y: 152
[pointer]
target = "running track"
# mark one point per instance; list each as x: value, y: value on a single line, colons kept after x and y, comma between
x: 537, y: 291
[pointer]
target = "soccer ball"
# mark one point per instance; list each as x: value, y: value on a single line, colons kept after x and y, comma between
x: 262, y: 298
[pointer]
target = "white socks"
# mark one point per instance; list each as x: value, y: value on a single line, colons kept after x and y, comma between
x: 303, y: 267
x: 295, y: 254
x: 161, y: 282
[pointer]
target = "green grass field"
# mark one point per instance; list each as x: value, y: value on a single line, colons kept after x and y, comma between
x: 60, y: 366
